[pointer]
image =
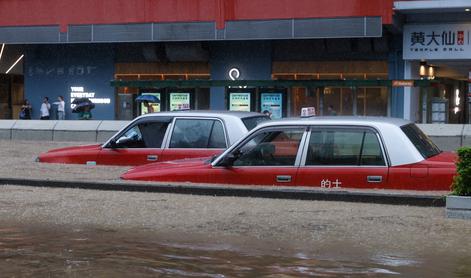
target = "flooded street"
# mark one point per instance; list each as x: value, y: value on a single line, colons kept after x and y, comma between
x: 34, y: 251
x: 47, y: 232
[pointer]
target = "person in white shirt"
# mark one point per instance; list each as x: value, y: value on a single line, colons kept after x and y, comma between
x: 60, y: 108
x: 45, y: 107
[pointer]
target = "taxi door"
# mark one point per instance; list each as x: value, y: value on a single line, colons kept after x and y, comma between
x: 139, y: 144
x: 337, y: 157
x: 269, y: 157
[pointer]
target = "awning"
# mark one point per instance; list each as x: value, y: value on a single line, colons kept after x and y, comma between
x: 261, y: 83
x: 438, y: 6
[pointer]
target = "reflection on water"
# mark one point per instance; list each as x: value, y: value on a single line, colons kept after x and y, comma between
x: 31, y: 252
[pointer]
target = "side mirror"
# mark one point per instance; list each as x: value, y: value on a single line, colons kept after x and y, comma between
x: 113, y: 144
x: 121, y: 142
x: 228, y: 160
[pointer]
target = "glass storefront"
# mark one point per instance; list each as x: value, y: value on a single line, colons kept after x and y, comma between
x: 365, y: 101
x: 171, y: 98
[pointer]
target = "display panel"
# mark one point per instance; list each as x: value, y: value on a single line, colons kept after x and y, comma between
x: 239, y: 102
x: 273, y: 103
x: 179, y: 101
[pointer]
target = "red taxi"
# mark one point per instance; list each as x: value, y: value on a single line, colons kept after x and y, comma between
x: 162, y: 137
x: 324, y: 152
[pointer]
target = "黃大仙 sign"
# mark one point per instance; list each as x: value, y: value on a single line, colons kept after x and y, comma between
x: 437, y: 41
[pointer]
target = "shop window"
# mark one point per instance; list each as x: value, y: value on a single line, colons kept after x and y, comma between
x: 376, y: 101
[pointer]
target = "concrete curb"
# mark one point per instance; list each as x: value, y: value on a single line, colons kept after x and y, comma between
x: 273, y: 193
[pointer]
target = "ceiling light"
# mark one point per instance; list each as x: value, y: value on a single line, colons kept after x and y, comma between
x: 14, y: 64
x: 1, y: 51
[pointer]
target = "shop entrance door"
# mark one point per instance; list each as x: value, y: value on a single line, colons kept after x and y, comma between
x: 361, y: 101
x: 125, y: 109
x: 338, y: 101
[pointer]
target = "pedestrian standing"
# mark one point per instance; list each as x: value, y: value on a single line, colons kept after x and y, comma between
x: 60, y: 108
x: 331, y: 110
x: 45, y: 107
x: 25, y: 112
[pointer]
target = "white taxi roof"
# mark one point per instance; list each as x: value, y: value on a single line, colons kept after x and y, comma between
x: 398, y: 147
x: 235, y: 128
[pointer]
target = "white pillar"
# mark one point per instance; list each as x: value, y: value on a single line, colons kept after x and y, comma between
x: 411, y: 94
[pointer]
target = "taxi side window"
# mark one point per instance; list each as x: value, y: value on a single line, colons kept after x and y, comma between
x: 144, y: 135
x: 270, y: 148
x: 344, y: 147
x: 198, y: 133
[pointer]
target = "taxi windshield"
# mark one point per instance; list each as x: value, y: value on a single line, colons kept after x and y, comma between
x: 421, y: 141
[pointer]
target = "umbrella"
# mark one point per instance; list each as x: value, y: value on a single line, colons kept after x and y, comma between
x: 148, y: 98
x: 81, y: 107
x: 81, y: 100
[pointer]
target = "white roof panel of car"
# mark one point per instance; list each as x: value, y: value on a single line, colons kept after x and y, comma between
x: 206, y: 113
x: 399, y: 148
x: 235, y: 128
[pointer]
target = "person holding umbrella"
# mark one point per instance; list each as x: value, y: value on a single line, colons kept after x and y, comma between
x: 83, y: 106
x: 147, y: 101
x: 150, y: 108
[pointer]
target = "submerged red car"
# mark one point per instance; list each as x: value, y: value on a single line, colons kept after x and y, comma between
x: 324, y: 152
x: 162, y: 137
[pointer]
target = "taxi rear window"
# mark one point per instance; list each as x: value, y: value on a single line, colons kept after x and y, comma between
x: 251, y: 122
x: 421, y: 141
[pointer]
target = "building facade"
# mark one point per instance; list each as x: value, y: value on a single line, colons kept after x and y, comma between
x: 340, y: 57
x: 436, y: 46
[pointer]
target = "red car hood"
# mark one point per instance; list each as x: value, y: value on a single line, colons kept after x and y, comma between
x: 152, y: 170
x: 74, y: 155
x: 76, y: 148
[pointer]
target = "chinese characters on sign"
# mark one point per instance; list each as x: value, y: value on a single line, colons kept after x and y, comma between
x: 447, y: 41
x: 239, y: 102
x: 272, y: 102
x: 74, y: 70
x: 326, y: 183
x: 179, y: 101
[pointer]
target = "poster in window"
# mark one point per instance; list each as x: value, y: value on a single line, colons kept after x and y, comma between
x: 273, y: 103
x: 179, y: 101
x: 239, y: 102
x: 154, y: 107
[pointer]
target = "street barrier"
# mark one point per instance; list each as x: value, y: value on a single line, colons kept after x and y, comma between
x: 37, y: 130
x: 447, y: 136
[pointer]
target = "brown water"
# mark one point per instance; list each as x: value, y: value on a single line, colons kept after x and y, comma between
x: 32, y: 251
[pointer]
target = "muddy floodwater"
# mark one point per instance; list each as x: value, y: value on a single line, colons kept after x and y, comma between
x: 47, y: 232
x: 35, y: 251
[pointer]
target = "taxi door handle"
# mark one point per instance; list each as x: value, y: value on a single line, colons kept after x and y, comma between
x: 374, y: 179
x: 152, y: 157
x: 283, y: 178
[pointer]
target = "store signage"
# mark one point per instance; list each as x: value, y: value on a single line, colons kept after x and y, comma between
x: 234, y: 74
x: 437, y: 41
x: 239, y: 102
x: 155, y: 106
x: 403, y: 83
x: 273, y: 103
x: 179, y: 101
x: 79, y: 92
